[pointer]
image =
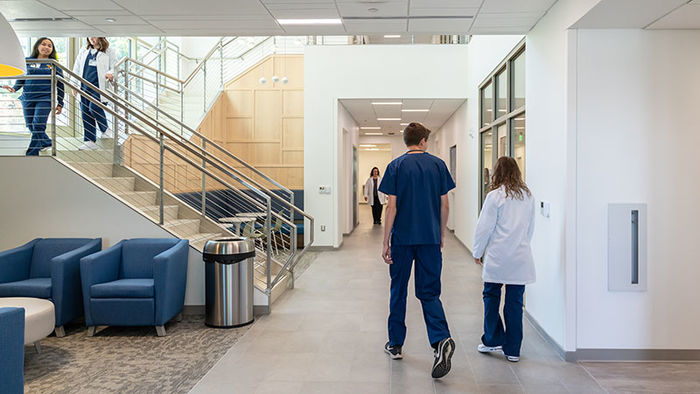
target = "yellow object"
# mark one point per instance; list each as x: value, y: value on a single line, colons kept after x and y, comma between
x: 12, y: 61
x: 9, y: 71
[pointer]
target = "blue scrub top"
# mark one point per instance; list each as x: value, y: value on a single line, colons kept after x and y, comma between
x: 90, y: 72
x: 418, y: 180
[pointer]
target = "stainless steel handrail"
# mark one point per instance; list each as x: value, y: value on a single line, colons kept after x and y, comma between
x: 204, y: 138
x: 288, y: 265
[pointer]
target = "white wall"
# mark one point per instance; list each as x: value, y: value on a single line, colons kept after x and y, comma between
x: 398, y: 147
x: 337, y: 72
x: 638, y: 139
x: 550, y: 168
x: 349, y: 131
x: 40, y: 197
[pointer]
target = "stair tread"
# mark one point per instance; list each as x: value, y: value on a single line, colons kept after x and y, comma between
x: 177, y: 222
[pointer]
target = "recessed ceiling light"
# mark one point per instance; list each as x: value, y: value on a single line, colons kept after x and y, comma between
x: 373, y: 9
x: 374, y: 133
x: 370, y: 128
x: 110, y: 20
x: 415, y: 110
x: 392, y: 36
x: 387, y: 103
x: 335, y: 21
x: 382, y: 119
x: 404, y: 124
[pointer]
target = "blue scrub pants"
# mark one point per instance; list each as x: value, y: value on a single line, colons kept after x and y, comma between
x: 428, y: 259
x: 36, y: 113
x: 93, y: 116
x: 494, y: 334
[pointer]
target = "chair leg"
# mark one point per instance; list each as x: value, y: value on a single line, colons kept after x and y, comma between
x: 178, y: 317
x: 160, y: 331
x: 91, y: 331
x: 60, y: 332
x: 37, y: 346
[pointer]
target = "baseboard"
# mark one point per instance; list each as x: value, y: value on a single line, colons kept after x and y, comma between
x: 193, y: 310
x: 321, y: 248
x: 636, y: 355
x: 199, y: 310
x: 615, y: 354
x: 560, y: 351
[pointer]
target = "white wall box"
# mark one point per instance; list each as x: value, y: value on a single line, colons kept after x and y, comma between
x: 627, y: 245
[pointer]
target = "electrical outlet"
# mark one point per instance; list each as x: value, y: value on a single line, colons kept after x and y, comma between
x: 323, y: 227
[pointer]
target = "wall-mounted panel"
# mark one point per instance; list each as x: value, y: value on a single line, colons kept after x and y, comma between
x: 627, y: 247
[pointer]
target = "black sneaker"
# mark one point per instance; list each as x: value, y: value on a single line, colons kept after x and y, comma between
x: 443, y: 354
x: 393, y: 351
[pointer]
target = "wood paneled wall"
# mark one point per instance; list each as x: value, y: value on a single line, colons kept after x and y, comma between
x: 263, y: 124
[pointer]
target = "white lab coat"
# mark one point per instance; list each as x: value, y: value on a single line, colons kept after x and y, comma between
x: 369, y: 191
x: 106, y: 61
x: 504, y: 232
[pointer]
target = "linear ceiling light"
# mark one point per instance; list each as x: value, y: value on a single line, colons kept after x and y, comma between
x: 370, y: 128
x: 368, y: 146
x: 374, y: 133
x: 404, y: 124
x: 335, y: 21
x: 387, y: 103
x: 392, y: 36
x: 415, y: 110
x: 383, y: 119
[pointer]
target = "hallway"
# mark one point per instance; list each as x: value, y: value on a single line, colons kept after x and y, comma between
x: 326, y: 336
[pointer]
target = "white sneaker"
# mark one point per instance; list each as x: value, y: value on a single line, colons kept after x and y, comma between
x: 108, y: 134
x: 88, y: 145
x: 488, y: 349
x: 513, y: 359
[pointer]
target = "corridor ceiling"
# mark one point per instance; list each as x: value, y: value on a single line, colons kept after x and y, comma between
x: 391, y: 115
x: 259, y: 17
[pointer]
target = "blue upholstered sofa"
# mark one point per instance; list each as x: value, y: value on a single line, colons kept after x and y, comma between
x: 48, y: 268
x: 11, y: 350
x: 137, y: 282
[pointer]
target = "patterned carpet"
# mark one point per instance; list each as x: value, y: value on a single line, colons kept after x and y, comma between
x: 127, y: 359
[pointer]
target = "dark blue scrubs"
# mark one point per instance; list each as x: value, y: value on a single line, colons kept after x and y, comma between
x: 418, y: 180
x: 36, y: 104
x: 93, y: 115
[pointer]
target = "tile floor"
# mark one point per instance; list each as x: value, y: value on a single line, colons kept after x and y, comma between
x: 326, y: 336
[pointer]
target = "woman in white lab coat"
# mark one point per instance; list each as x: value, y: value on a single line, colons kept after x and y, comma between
x: 502, y: 238
x: 95, y: 63
x: 373, y: 196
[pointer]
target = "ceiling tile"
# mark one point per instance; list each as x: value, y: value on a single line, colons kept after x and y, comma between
x: 315, y: 30
x: 501, y: 30
x: 28, y: 9
x: 365, y: 26
x: 439, y: 25
x: 446, y: 3
x: 686, y: 17
x: 456, y: 11
x: 222, y: 23
x: 120, y: 20
x: 384, y: 9
x: 510, y: 19
x: 127, y: 30
x: 49, y: 26
x: 81, y: 4
x: 195, y: 8
x: 516, y: 5
x: 105, y: 13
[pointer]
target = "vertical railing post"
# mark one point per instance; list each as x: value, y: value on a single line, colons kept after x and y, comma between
x: 115, y: 142
x: 162, y: 183
x: 157, y: 93
x: 204, y: 84
x: 52, y: 108
x: 221, y: 62
x: 268, y: 238
x: 204, y: 178
x: 182, y: 107
x: 126, y: 93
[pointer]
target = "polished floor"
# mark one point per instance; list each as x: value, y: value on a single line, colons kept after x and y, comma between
x: 326, y: 336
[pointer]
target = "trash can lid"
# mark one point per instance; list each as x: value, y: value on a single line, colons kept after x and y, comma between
x: 229, y: 246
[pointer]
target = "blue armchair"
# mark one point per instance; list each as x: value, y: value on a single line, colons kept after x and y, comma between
x: 12, y: 350
x: 48, y: 268
x: 137, y: 282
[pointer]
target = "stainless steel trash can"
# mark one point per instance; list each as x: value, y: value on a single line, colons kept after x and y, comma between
x: 229, y: 282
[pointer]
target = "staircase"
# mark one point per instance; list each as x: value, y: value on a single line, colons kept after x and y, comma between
x: 185, y: 185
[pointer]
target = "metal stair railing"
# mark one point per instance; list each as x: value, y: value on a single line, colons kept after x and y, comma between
x: 158, y: 155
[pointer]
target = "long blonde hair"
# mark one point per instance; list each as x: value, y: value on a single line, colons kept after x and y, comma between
x: 506, y: 173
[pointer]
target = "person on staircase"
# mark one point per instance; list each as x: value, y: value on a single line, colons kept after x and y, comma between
x: 36, y: 97
x: 373, y: 196
x: 95, y: 63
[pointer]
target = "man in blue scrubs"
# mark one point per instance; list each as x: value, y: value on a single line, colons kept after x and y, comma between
x: 416, y: 216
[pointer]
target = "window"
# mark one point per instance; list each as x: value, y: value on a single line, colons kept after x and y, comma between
x: 502, y: 127
x: 486, y: 105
